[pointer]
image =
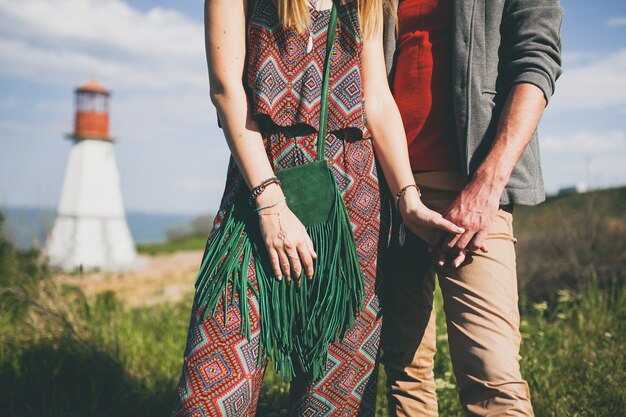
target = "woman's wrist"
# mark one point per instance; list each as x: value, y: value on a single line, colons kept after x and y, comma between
x: 260, y: 188
x: 268, y: 208
x: 272, y: 194
x: 272, y: 209
x: 408, y: 197
x: 412, y: 197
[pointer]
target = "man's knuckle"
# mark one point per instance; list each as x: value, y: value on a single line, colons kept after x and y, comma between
x: 467, y: 225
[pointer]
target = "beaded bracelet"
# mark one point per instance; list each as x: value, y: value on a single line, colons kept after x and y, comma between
x: 403, y: 191
x: 256, y: 191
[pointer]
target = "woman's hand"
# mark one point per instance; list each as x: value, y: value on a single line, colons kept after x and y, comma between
x: 415, y: 215
x: 289, y: 246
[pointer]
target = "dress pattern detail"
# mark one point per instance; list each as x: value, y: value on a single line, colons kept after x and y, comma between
x: 285, y: 82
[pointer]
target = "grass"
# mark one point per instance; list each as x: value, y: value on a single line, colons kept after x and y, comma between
x: 574, y: 353
x: 192, y: 236
x: 121, y: 365
x: 127, y: 363
x: 569, y: 238
x: 182, y: 244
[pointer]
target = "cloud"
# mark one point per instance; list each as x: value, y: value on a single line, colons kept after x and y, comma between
x: 58, y: 41
x: 571, y: 58
x: 595, y: 158
x: 585, y: 142
x: 593, y: 85
x: 154, y: 63
x: 9, y: 102
x: 597, y: 172
x: 616, y: 21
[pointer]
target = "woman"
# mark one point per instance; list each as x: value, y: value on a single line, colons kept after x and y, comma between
x: 270, y: 122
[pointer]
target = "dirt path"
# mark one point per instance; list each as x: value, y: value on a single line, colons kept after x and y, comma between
x: 163, y: 278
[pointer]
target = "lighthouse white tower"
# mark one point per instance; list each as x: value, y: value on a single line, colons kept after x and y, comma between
x: 90, y: 229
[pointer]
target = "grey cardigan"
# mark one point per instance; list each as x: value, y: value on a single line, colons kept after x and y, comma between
x: 496, y: 44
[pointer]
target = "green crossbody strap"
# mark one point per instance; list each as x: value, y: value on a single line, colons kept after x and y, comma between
x: 330, y: 40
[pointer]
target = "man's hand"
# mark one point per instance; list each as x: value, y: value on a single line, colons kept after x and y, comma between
x: 474, y: 210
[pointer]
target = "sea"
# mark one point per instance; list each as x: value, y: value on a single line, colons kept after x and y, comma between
x: 29, y: 226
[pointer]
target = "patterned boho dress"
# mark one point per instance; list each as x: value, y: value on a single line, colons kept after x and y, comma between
x: 220, y: 375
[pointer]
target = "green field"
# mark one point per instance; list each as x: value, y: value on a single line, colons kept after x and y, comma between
x: 65, y: 355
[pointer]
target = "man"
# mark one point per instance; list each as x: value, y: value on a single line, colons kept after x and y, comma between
x: 471, y: 78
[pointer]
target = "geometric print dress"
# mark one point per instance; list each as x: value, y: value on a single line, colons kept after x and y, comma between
x: 221, y: 374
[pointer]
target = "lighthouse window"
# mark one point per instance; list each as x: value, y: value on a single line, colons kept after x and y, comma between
x: 92, y: 102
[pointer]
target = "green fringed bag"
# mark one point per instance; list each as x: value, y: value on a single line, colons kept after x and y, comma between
x: 297, y: 323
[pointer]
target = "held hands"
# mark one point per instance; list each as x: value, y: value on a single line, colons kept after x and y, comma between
x: 416, y: 215
x: 288, y: 244
x: 474, y: 209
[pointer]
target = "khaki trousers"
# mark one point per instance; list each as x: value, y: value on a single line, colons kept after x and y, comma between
x: 482, y: 316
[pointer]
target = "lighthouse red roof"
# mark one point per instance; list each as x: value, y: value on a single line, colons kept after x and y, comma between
x: 93, y: 86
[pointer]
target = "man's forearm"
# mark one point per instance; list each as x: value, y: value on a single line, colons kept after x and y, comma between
x: 477, y: 204
x: 518, y: 121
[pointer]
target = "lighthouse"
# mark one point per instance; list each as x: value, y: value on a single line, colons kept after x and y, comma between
x: 90, y: 229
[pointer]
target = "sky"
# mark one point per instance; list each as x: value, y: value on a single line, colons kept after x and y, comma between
x: 172, y: 156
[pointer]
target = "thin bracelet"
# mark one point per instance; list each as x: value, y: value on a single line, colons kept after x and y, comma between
x: 403, y: 191
x: 258, y: 190
x: 271, y: 205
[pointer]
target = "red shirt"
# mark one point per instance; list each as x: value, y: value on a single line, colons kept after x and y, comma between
x: 422, y: 84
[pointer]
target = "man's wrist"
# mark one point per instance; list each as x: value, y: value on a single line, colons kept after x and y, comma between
x: 492, y: 175
x: 486, y: 186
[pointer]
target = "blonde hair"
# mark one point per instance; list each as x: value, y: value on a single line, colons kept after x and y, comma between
x: 295, y: 13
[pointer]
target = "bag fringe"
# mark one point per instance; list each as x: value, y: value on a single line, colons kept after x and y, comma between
x: 297, y: 323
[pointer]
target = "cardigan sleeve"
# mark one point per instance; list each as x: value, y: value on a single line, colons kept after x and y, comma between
x: 531, y: 43
x: 389, y: 34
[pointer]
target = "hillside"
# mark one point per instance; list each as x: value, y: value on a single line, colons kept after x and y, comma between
x: 571, y: 238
